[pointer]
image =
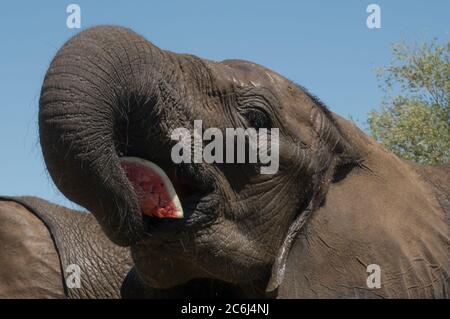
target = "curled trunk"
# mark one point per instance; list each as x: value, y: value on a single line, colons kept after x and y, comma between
x: 99, y: 81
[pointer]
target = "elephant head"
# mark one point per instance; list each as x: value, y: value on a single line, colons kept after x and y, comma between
x: 109, y: 93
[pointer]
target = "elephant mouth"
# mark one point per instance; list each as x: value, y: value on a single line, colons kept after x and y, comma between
x: 187, y: 200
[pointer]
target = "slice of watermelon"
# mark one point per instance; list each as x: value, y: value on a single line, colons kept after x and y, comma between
x: 156, y: 195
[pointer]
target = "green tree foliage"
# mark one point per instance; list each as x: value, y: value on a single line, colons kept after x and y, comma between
x: 414, y: 123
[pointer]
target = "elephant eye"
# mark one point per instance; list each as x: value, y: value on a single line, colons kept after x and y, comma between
x: 257, y: 118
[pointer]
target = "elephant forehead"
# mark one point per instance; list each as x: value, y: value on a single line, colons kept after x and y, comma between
x: 246, y: 73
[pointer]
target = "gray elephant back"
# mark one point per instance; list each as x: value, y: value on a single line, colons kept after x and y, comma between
x: 81, y: 245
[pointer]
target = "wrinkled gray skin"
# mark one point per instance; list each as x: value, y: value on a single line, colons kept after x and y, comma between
x: 39, y: 240
x: 338, y: 203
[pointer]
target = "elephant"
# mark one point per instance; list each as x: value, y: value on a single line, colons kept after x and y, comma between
x: 342, y: 217
x: 40, y: 241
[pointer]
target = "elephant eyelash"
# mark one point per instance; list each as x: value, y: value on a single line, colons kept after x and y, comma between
x: 257, y: 118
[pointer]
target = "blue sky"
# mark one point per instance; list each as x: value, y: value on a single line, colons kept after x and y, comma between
x: 322, y: 45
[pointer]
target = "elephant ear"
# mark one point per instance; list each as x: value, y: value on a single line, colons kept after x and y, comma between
x: 286, y: 259
x: 282, y: 260
x: 344, y: 158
